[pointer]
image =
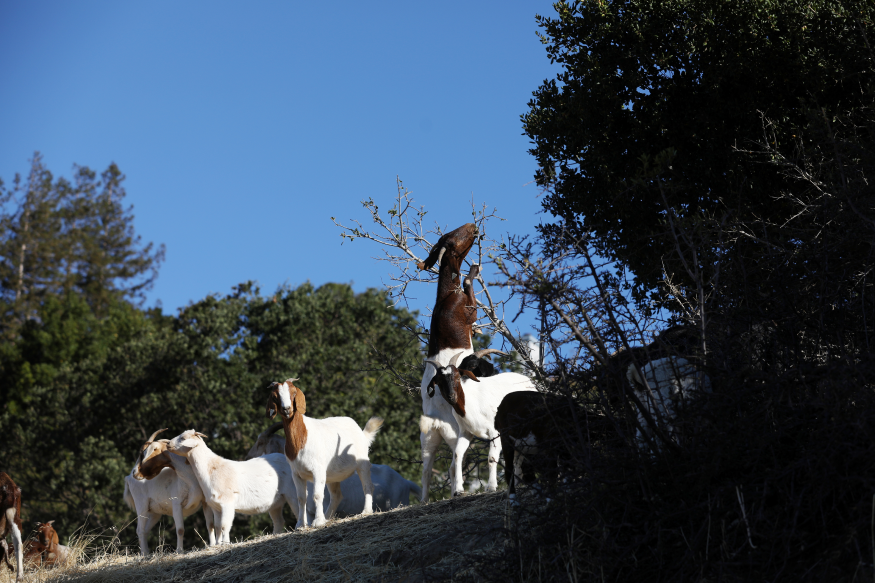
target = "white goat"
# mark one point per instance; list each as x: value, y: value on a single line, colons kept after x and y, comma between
x: 322, y: 451
x: 164, y: 486
x: 474, y: 402
x: 259, y: 485
x: 391, y: 489
x: 670, y: 381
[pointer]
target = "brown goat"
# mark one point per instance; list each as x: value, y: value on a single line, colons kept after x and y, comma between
x: 52, y: 553
x: 33, y: 553
x: 10, y: 522
x: 454, y: 313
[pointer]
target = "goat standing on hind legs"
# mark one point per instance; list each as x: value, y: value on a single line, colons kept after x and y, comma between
x: 10, y: 523
x: 452, y: 320
x: 322, y: 451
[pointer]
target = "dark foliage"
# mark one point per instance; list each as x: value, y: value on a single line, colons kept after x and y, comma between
x: 691, y: 77
x: 737, y: 188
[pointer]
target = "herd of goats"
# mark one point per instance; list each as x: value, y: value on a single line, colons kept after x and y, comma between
x: 178, y: 476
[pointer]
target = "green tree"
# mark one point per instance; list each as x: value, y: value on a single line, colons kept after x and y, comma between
x: 105, y: 384
x: 58, y: 236
x: 657, y: 101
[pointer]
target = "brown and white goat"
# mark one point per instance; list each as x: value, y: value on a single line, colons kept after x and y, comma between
x: 452, y: 320
x: 51, y: 552
x: 33, y: 553
x: 163, y: 483
x: 474, y: 402
x: 322, y: 451
x: 10, y: 522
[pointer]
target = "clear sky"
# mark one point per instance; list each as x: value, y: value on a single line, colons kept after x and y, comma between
x: 243, y: 126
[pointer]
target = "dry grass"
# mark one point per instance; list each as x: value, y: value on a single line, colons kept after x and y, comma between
x: 440, y: 541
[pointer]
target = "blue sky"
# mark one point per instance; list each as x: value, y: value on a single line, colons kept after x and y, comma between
x: 242, y: 127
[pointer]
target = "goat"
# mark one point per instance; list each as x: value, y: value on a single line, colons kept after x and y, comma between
x: 322, y: 451
x: 267, y: 442
x: 166, y: 487
x: 669, y: 382
x: 532, y: 426
x: 391, y: 489
x: 452, y: 321
x: 474, y: 402
x: 479, y: 364
x: 51, y: 552
x: 254, y: 486
x: 10, y: 523
x: 33, y: 553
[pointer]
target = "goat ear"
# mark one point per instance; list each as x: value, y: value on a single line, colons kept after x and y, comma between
x: 271, y: 410
x: 300, y: 403
x: 469, y: 374
x: 430, y: 388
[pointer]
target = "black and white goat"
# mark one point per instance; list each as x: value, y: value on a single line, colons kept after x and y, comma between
x: 534, y: 430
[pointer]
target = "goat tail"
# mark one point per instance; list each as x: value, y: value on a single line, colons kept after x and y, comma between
x: 414, y: 489
x: 371, y: 428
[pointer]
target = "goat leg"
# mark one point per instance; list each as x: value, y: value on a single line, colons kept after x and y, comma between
x: 4, y: 550
x: 363, y: 469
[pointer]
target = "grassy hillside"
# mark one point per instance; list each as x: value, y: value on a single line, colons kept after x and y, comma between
x: 442, y: 540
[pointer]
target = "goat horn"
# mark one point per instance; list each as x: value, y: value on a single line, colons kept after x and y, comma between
x: 291, y: 380
x: 434, y: 363
x: 488, y: 351
x: 441, y: 255
x: 455, y: 358
x: 272, y: 429
x: 154, y: 435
